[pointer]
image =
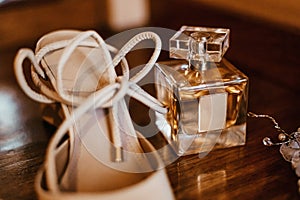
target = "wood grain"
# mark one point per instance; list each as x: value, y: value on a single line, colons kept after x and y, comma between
x: 268, y: 54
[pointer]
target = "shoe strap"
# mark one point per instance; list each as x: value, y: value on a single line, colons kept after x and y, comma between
x: 104, y: 97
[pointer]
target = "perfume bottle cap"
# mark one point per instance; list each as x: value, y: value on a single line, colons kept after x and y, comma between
x: 209, y: 44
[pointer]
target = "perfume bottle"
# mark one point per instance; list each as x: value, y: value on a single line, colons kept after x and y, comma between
x: 205, y: 94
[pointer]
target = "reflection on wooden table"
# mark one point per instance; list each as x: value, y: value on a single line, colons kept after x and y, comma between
x: 266, y: 53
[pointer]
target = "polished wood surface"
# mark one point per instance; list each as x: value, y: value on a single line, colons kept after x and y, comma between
x: 269, y: 55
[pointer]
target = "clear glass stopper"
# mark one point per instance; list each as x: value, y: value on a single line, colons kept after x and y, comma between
x: 208, y: 44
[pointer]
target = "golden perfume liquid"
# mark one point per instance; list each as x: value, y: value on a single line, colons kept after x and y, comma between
x: 205, y: 94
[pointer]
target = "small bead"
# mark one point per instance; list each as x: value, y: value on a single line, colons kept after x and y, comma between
x: 267, y: 141
x: 281, y: 137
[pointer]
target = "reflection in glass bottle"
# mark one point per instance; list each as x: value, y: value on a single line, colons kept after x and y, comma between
x: 206, y: 95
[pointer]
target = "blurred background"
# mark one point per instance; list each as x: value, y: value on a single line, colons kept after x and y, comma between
x: 26, y: 20
x: 264, y: 44
x: 264, y: 33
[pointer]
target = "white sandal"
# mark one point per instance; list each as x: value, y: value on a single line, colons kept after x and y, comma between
x: 81, y: 75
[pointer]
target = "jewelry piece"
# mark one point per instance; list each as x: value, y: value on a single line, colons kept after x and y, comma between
x: 290, y: 144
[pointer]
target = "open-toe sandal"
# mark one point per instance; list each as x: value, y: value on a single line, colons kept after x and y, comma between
x: 95, y: 153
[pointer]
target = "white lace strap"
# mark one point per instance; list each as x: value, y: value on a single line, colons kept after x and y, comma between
x: 66, y: 55
x: 112, y: 93
x: 135, y: 91
x: 100, y: 96
x: 35, y: 71
x: 48, y: 95
x: 139, y: 94
x: 134, y: 41
x: 97, y: 99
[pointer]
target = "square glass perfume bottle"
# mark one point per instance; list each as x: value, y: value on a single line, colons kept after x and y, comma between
x: 205, y: 94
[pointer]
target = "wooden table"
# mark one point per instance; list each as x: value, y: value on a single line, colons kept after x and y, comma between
x: 266, y: 53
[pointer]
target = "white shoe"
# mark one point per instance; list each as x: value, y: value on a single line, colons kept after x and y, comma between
x: 95, y: 153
